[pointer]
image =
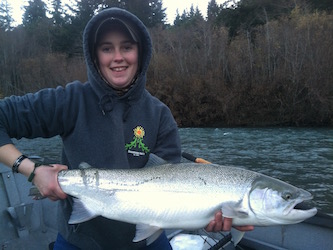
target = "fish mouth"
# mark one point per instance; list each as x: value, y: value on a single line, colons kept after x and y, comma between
x: 302, y: 212
x: 301, y: 209
x: 303, y: 206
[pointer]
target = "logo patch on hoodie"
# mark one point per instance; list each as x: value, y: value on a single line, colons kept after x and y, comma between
x: 136, y: 147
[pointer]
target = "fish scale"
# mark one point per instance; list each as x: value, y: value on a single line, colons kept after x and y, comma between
x: 184, y: 195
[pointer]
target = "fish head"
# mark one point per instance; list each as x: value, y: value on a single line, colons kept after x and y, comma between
x: 273, y: 202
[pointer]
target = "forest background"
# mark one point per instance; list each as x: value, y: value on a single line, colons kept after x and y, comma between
x: 249, y: 63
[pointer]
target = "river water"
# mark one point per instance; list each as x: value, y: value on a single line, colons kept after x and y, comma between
x: 300, y: 156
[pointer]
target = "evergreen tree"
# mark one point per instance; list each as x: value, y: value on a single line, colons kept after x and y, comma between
x: 60, y: 32
x: 151, y: 13
x: 6, y: 19
x: 178, y: 19
x: 190, y: 17
x: 57, y: 13
x: 38, y: 26
x: 247, y: 14
x: 34, y: 12
x: 69, y: 38
x: 85, y: 10
x: 326, y: 5
x: 212, y: 11
x: 113, y: 3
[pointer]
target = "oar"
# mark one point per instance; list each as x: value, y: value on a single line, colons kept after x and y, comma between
x: 190, y: 157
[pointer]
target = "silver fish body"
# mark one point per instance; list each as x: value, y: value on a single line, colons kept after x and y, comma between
x: 184, y: 196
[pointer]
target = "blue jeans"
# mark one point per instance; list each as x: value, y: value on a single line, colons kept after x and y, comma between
x: 161, y: 243
x: 62, y: 244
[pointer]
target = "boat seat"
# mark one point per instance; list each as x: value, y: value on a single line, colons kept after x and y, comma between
x: 20, y: 213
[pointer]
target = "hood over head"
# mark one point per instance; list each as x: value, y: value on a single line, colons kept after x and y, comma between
x: 115, y: 18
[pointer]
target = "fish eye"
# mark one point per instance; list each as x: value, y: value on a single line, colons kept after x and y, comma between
x: 286, y: 196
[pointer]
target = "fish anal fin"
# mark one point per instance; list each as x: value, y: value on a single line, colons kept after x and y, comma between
x: 144, y: 231
x: 80, y: 213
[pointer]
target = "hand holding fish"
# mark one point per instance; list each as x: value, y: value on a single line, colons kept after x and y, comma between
x: 221, y: 223
x: 46, y: 180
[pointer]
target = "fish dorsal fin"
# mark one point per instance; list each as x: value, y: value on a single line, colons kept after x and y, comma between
x: 144, y: 231
x: 80, y: 213
x: 84, y: 165
x: 154, y: 160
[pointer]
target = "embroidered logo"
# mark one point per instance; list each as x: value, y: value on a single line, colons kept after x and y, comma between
x: 137, y: 142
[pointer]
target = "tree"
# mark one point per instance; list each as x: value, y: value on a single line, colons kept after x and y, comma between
x: 149, y: 12
x: 85, y: 10
x: 6, y: 19
x: 326, y: 5
x: 34, y: 12
x: 68, y: 38
x: 57, y: 13
x: 60, y: 32
x: 190, y: 17
x: 212, y: 11
x: 247, y: 14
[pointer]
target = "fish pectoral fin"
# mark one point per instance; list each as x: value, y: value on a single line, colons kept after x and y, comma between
x: 144, y: 231
x: 80, y: 213
x: 236, y: 236
x: 234, y: 210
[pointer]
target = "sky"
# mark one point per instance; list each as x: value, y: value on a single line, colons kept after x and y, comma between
x: 171, y: 5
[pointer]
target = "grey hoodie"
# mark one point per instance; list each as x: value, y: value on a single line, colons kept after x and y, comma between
x: 97, y: 126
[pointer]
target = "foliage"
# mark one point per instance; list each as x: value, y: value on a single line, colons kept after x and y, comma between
x: 323, y: 5
x: 280, y: 76
x: 248, y: 14
x: 259, y: 62
x: 188, y: 18
x: 6, y: 19
x: 150, y: 12
x: 34, y: 13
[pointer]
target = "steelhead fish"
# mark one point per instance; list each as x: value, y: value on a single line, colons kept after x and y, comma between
x: 181, y: 196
